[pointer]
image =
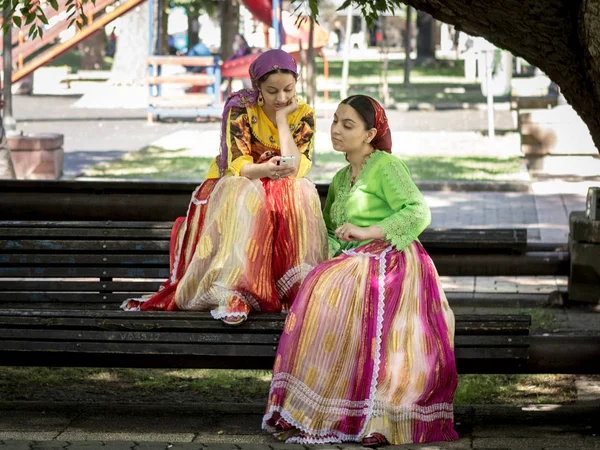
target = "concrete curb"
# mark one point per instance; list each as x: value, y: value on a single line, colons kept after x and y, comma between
x: 502, y: 105
x: 492, y: 412
x: 475, y: 186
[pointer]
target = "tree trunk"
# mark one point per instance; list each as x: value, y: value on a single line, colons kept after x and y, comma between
x: 230, y: 19
x: 164, y: 31
x: 193, y: 26
x: 311, y: 71
x: 407, y: 46
x: 560, y: 37
x: 425, y: 44
x: 92, y: 51
x: 129, y: 66
x: 384, y: 91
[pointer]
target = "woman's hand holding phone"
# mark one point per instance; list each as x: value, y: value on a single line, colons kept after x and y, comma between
x: 277, y: 171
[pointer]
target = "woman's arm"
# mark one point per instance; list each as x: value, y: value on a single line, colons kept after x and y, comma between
x: 287, y: 144
x: 411, y: 214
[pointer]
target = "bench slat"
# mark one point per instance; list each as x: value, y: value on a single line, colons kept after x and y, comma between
x: 196, y: 80
x: 199, y: 322
x: 151, y: 348
x: 485, y: 353
x: 50, y: 245
x: 46, y: 335
x: 119, y: 349
x: 62, y: 299
x: 182, y: 60
x: 83, y: 272
x: 160, y: 260
x: 88, y: 233
x: 92, y: 305
x: 187, y: 315
x: 87, y: 224
x: 475, y: 239
x: 81, y: 286
x: 43, y: 335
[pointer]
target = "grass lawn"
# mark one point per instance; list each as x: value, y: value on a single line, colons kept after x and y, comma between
x: 433, y: 93
x: 158, y: 163
x: 242, y: 386
x: 442, y: 68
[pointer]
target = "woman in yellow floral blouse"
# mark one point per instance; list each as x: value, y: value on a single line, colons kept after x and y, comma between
x: 254, y: 228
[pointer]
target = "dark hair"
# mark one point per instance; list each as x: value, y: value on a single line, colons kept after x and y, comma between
x: 363, y: 106
x: 262, y: 79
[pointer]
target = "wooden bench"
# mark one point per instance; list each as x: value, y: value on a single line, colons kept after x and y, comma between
x: 61, y: 284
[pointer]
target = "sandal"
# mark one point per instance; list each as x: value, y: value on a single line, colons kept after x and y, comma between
x: 233, y: 321
x: 283, y: 425
x: 374, y: 440
x: 285, y: 430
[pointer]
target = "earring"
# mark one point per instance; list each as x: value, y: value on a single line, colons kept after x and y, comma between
x: 261, y: 100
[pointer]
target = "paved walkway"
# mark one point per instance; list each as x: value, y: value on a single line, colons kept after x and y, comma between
x: 497, y: 427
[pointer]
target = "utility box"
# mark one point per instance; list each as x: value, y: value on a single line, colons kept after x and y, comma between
x: 584, y: 252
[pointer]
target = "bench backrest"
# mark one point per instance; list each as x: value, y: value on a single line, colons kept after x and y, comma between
x: 80, y: 265
x: 97, y: 265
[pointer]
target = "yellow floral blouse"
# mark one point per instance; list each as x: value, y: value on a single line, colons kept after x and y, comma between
x: 253, y: 138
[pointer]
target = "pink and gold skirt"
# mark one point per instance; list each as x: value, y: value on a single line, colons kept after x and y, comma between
x: 367, y: 348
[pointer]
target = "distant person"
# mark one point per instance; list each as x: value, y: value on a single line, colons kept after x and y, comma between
x: 112, y: 43
x: 171, y: 45
x: 200, y: 49
x: 339, y: 32
x: 241, y: 49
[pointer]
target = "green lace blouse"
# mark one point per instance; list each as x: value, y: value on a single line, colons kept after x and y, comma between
x: 383, y: 195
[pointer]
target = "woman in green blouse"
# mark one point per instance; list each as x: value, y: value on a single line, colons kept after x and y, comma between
x: 367, y: 350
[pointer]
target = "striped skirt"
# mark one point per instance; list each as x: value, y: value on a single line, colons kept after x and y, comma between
x: 244, y: 245
x: 367, y: 348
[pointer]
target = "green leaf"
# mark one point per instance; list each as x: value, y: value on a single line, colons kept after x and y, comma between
x: 42, y: 18
x: 54, y: 4
x: 29, y: 18
x: 17, y: 21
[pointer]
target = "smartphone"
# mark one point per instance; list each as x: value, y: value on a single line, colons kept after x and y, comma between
x: 287, y: 161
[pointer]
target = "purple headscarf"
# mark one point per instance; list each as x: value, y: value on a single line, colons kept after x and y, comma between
x: 267, y: 62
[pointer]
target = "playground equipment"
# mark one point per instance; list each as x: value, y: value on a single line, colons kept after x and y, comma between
x: 97, y: 18
x: 291, y: 36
